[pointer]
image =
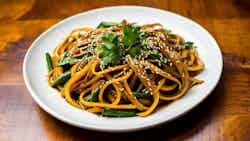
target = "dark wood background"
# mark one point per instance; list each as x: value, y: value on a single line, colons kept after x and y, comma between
x: 223, y: 116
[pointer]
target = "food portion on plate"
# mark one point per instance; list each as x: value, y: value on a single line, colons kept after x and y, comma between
x: 122, y: 69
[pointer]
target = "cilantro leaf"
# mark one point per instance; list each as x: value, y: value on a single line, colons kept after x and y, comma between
x: 130, y: 36
x: 133, y: 51
x: 109, y: 51
x: 110, y: 38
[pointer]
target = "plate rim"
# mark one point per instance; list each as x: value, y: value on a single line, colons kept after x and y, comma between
x: 71, y: 122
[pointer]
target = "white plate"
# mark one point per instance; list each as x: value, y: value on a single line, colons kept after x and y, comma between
x: 34, y: 68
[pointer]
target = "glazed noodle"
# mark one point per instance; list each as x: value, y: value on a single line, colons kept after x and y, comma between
x: 123, y: 69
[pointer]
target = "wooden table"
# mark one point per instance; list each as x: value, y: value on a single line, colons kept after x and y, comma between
x: 224, y: 115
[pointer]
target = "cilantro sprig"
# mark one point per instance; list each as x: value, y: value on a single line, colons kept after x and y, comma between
x: 109, y: 51
x: 131, y: 40
x: 130, y: 36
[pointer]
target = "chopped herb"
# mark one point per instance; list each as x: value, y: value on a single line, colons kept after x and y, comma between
x: 109, y: 50
x: 133, y: 51
x: 110, y: 38
x: 130, y: 39
x: 188, y: 45
x: 106, y: 24
x: 130, y: 36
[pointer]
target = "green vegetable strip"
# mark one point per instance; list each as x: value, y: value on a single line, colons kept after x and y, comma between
x: 140, y: 95
x: 93, y: 97
x: 64, y: 55
x: 158, y: 57
x: 167, y: 31
x: 64, y: 61
x: 88, y: 97
x: 61, y: 79
x: 118, y: 113
x: 188, y: 44
x: 67, y: 61
x: 49, y: 62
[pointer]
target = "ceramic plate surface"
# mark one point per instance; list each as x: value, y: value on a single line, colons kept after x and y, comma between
x: 35, y: 71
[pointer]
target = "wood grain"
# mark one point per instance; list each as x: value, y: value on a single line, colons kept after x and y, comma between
x: 223, y: 116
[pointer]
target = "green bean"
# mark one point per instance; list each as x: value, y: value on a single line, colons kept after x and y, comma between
x: 141, y: 95
x: 64, y: 55
x: 118, y: 113
x: 61, y: 79
x: 93, y: 97
x: 49, y: 62
x: 64, y: 61
x: 67, y: 61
